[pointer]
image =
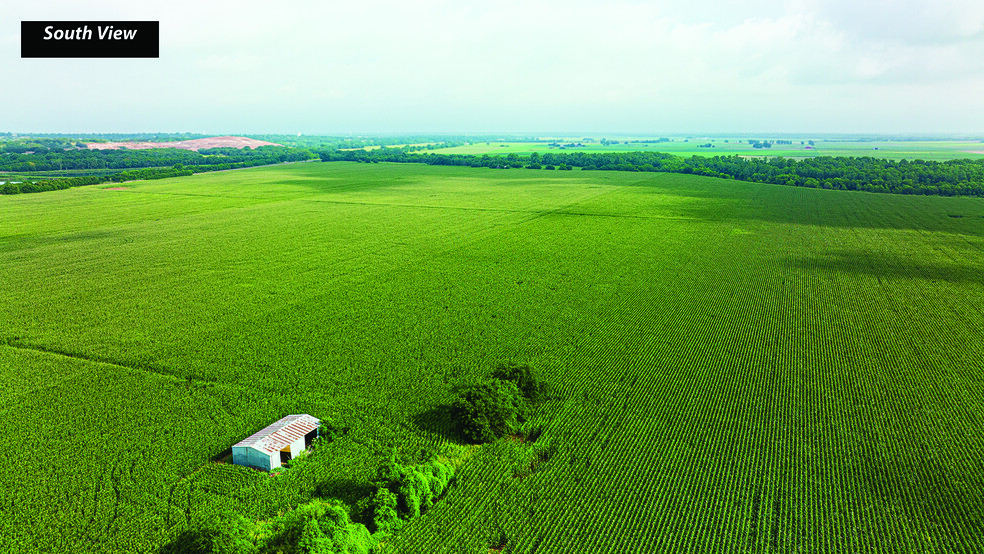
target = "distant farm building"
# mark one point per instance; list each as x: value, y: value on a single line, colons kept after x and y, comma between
x: 276, y: 444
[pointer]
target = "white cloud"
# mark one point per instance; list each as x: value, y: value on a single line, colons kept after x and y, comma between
x: 907, y: 21
x: 442, y: 65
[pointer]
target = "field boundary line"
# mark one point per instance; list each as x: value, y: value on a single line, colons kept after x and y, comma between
x: 17, y: 345
x: 554, y: 211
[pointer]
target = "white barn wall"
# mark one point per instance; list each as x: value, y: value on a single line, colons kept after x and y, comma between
x: 296, y: 447
x: 254, y: 458
x: 264, y: 461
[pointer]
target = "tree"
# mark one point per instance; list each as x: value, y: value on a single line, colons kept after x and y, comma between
x: 522, y: 376
x: 318, y: 527
x: 229, y: 533
x: 487, y: 410
x: 404, y: 492
x: 384, y: 511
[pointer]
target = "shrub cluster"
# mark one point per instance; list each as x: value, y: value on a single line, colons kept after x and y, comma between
x: 324, y: 526
x: 495, y: 407
x: 405, y: 492
x: 522, y: 376
x: 487, y: 410
x: 317, y: 527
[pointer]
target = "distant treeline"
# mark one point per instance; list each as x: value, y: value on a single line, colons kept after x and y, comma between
x: 334, y: 142
x: 158, y: 163
x: 22, y: 157
x: 61, y: 184
x: 63, y: 140
x: 948, y: 178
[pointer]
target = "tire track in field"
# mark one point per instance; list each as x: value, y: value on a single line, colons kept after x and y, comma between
x: 380, y: 276
x: 682, y: 394
x: 143, y: 368
x: 535, y: 213
x: 582, y: 398
x: 643, y: 469
x: 607, y: 423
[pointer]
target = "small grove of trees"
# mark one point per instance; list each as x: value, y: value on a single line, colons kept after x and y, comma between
x: 317, y: 527
x: 489, y: 409
x: 485, y: 410
x: 403, y: 492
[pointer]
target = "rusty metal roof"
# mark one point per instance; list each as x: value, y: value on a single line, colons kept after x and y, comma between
x: 279, y: 435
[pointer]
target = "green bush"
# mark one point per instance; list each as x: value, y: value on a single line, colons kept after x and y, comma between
x: 415, y: 493
x: 439, y: 476
x: 318, y: 527
x: 406, y: 491
x: 385, y: 515
x: 487, y: 410
x: 522, y: 376
x: 229, y: 533
x: 329, y: 430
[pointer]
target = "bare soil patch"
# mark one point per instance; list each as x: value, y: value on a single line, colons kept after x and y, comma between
x: 194, y: 144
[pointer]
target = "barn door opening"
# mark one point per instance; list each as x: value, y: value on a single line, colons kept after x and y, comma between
x: 285, y: 455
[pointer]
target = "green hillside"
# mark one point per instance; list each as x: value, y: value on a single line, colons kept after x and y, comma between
x: 733, y: 367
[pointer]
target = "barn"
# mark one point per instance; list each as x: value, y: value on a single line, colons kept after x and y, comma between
x: 276, y: 444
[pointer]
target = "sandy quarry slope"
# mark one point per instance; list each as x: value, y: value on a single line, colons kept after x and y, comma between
x: 195, y: 144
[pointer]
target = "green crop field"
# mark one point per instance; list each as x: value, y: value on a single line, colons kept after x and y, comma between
x: 938, y: 150
x: 733, y: 367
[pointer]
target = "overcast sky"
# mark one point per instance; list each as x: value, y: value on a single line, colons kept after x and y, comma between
x: 237, y: 67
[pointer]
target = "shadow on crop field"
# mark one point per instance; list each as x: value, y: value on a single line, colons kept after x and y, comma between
x: 191, y: 541
x: 717, y: 199
x: 332, y: 177
x: 881, y: 266
x: 941, y: 497
x: 224, y: 456
x: 438, y: 421
x: 345, y: 490
x: 688, y: 186
x: 713, y: 199
x: 12, y: 243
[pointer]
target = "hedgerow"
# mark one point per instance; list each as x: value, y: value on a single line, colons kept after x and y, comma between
x: 404, y: 492
x: 191, y: 163
x: 963, y: 177
x: 316, y: 527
